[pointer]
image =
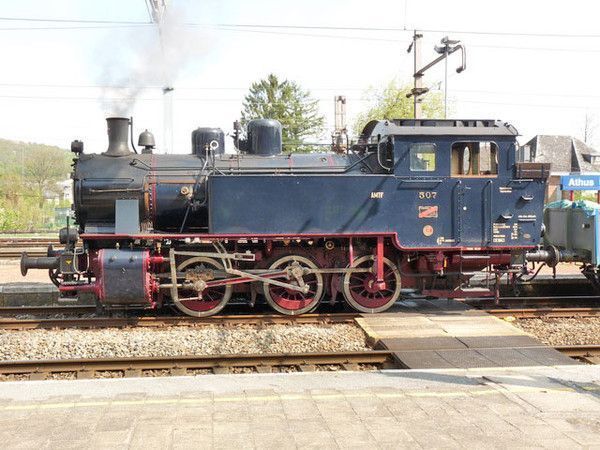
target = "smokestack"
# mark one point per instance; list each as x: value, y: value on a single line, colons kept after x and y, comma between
x: 118, y: 134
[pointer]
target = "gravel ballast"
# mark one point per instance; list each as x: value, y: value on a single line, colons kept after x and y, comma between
x: 206, y: 340
x: 563, y: 331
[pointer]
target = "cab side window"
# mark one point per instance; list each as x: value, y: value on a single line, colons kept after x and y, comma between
x: 422, y: 157
x: 479, y: 158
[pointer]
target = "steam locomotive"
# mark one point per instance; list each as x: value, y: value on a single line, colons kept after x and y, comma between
x: 420, y: 204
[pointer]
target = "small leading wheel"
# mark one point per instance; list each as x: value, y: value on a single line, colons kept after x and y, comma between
x: 55, y: 277
x: 361, y: 290
x: 290, y: 301
x: 209, y: 301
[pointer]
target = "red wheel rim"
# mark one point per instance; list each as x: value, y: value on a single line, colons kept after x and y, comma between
x: 362, y: 291
x: 294, y: 300
x: 290, y: 301
x: 208, y: 299
x: 365, y: 294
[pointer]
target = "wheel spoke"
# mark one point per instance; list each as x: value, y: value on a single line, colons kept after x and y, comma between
x: 362, y: 291
x: 207, y: 302
x: 292, y: 301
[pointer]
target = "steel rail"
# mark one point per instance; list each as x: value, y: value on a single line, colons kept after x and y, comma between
x: 168, y: 321
x: 533, y: 302
x: 531, y: 313
x: 27, y: 241
x: 532, y: 299
x: 70, y: 309
x: 16, y: 253
x: 179, y: 365
x: 581, y: 351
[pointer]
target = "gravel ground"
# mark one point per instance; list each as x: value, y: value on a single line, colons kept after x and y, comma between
x: 208, y: 340
x: 563, y: 331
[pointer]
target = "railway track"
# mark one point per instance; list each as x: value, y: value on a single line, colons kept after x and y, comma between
x: 531, y: 313
x: 13, y: 247
x: 207, y: 364
x: 586, y: 353
x: 9, y: 323
x: 187, y: 365
x: 538, y: 302
x: 33, y: 310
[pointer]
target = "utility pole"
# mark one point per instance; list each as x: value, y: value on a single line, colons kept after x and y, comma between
x: 447, y: 48
x: 339, y: 136
x: 418, y: 88
x: 157, y: 10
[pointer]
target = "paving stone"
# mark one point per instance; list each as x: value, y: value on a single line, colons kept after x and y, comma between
x: 347, y: 442
x: 430, y: 408
x: 190, y: 438
x: 317, y: 439
x: 337, y: 411
x: 422, y: 359
x: 524, y: 422
x: 466, y: 358
x: 230, y: 416
x: 539, y: 431
x: 424, y: 343
x: 28, y: 444
x: 460, y: 430
x: 267, y: 411
x: 365, y: 412
x: 559, y: 443
x: 68, y: 444
x: 302, y: 413
x: 231, y: 428
x: 548, y: 357
x: 431, y: 437
x: 387, y: 430
x: 500, y: 427
x: 507, y: 357
x: 115, y: 423
x: 274, y: 442
x: 229, y: 443
x: 316, y: 425
x: 585, y: 438
x: 500, y: 341
x: 72, y: 432
x: 565, y: 401
x: 349, y: 429
x: 112, y: 437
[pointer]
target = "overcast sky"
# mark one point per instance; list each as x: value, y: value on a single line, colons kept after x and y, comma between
x: 538, y: 69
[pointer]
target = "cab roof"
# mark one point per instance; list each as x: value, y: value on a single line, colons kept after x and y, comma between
x: 437, y: 127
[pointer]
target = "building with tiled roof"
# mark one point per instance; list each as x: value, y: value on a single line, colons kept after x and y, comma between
x: 567, y: 155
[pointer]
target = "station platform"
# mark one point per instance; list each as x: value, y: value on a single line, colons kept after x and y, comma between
x: 437, y: 334
x: 542, y: 407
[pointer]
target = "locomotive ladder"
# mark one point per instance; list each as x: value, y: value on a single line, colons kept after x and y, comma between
x: 460, y: 193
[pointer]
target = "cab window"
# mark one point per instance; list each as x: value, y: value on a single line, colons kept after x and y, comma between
x: 479, y: 158
x: 422, y: 157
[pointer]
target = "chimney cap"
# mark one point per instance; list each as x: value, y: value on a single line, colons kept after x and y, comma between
x: 117, y: 129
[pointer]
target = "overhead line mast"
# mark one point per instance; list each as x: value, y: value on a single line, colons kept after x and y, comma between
x: 158, y: 10
x: 447, y: 47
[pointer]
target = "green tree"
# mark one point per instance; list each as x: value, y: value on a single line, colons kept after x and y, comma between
x: 288, y: 103
x: 44, y: 168
x: 391, y: 102
x: 27, y: 172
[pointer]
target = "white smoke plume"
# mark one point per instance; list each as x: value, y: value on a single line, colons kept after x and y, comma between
x: 146, y: 58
